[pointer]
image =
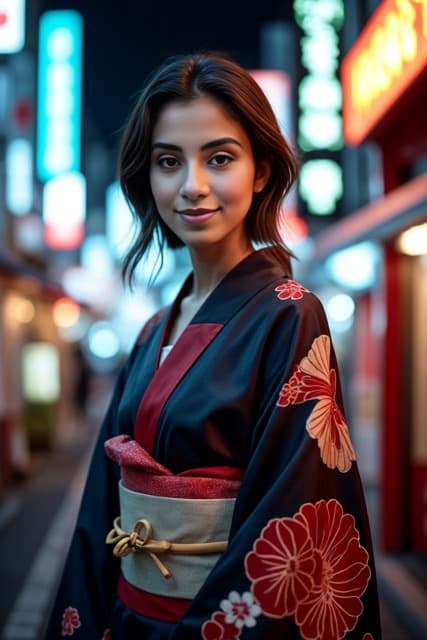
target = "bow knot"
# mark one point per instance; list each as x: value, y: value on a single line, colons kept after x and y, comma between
x: 126, y: 543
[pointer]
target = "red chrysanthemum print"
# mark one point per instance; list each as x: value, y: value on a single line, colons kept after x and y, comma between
x: 311, y: 566
x: 106, y: 635
x: 217, y: 629
x: 341, y: 574
x: 314, y: 379
x: 281, y: 566
x: 70, y: 621
x: 291, y: 290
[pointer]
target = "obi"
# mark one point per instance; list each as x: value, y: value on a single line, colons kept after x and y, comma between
x: 172, y: 529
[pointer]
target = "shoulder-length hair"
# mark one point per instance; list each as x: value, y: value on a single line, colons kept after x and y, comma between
x: 186, y: 77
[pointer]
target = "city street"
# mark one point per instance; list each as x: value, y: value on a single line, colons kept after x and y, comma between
x: 36, y: 521
x: 247, y: 199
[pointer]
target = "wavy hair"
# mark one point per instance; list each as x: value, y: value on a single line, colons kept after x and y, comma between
x: 186, y: 77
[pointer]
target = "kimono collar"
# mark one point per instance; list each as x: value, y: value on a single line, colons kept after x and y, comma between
x: 244, y: 281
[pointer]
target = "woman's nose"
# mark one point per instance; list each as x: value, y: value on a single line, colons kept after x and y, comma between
x: 196, y: 182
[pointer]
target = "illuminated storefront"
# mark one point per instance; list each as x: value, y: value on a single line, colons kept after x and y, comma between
x: 384, y: 78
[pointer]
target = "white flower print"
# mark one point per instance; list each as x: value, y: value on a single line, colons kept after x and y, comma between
x: 240, y: 610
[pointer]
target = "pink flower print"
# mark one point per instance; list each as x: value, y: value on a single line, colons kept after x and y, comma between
x: 341, y: 574
x: 218, y: 629
x: 281, y: 566
x: 291, y: 290
x: 70, y: 621
x: 368, y: 636
x: 240, y: 610
x: 313, y: 379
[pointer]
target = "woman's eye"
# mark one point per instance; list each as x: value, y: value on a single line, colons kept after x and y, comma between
x: 221, y: 159
x: 167, y: 162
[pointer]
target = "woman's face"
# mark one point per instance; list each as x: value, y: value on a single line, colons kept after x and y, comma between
x: 203, y: 173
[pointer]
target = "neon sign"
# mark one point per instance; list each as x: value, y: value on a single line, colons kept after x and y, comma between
x: 320, y: 102
x: 12, y: 25
x: 387, y: 57
x: 64, y: 211
x: 59, y: 94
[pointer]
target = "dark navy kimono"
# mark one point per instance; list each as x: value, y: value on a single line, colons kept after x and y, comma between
x: 252, y: 386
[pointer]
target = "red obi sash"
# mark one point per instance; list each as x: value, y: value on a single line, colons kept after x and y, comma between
x: 141, y: 473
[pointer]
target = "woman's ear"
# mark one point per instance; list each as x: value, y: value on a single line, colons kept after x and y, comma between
x: 262, y: 175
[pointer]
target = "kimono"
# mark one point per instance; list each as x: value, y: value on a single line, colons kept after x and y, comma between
x: 245, y: 410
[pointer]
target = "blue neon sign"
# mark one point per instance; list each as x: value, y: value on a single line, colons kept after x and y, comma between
x: 59, y: 93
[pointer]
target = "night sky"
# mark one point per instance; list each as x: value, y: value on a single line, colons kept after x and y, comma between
x: 124, y: 40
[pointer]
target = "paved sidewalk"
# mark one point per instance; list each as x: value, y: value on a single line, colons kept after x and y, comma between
x: 36, y: 523
x: 403, y: 596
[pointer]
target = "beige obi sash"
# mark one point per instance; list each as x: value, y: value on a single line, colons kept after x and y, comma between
x: 167, y: 545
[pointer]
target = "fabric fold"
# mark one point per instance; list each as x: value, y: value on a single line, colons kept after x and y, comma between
x: 141, y: 472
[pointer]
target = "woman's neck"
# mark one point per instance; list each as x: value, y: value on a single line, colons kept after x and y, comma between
x: 209, y: 269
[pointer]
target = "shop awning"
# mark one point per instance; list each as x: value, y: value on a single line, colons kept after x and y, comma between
x: 379, y: 220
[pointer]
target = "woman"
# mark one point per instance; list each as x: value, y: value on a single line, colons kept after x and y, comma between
x: 225, y: 450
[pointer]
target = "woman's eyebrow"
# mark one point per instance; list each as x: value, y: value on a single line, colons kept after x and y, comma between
x: 165, y: 145
x: 219, y: 143
x: 209, y: 145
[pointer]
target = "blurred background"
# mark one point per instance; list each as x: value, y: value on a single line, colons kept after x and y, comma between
x: 348, y: 83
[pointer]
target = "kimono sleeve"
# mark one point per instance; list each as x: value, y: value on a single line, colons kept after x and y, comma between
x: 89, y: 578
x: 299, y: 562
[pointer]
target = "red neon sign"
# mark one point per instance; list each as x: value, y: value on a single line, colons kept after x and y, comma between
x: 386, y: 58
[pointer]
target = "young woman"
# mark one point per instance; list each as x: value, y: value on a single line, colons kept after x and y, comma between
x: 223, y: 500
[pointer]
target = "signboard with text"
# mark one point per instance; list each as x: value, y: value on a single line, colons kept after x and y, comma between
x: 388, y: 56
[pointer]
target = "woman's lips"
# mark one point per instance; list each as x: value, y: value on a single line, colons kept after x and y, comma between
x: 196, y: 216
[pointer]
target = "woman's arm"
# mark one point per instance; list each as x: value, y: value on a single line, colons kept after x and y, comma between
x: 88, y: 584
x: 299, y: 563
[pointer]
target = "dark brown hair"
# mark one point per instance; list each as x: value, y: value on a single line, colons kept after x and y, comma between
x: 186, y: 77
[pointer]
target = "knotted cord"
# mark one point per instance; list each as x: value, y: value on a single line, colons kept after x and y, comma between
x: 126, y: 543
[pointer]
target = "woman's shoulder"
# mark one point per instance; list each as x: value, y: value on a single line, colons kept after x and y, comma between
x: 286, y: 294
x: 288, y: 308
